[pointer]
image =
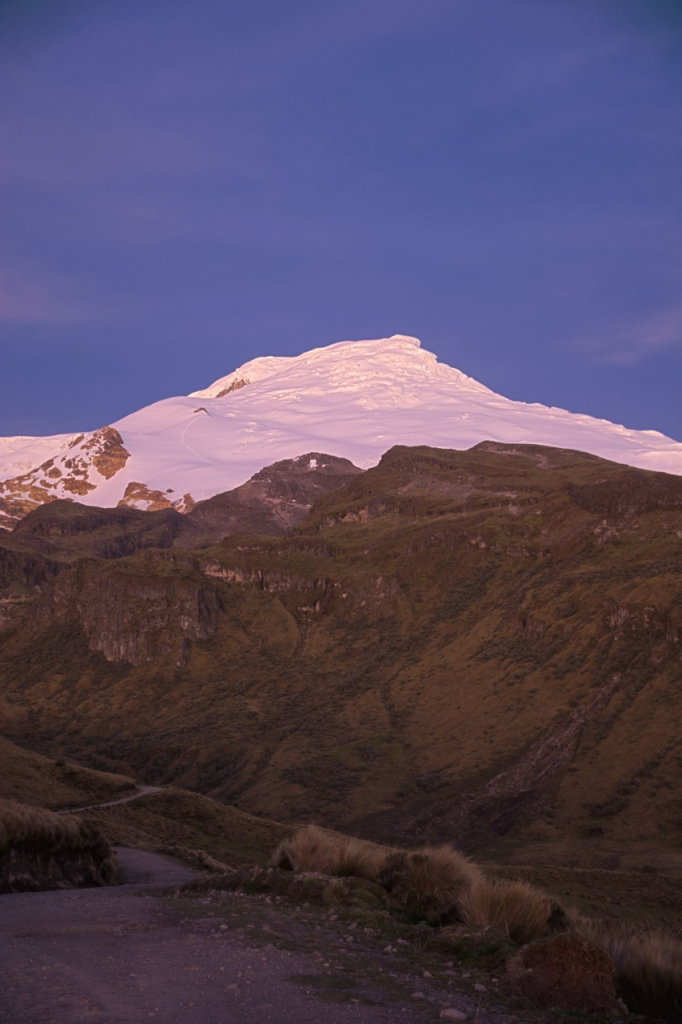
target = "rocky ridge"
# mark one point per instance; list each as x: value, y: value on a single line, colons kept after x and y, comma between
x: 54, y: 536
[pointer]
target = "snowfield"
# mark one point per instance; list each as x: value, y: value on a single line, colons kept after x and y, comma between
x: 19, y: 454
x: 352, y: 399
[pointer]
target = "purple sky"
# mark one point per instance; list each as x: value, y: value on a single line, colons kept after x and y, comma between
x: 185, y: 186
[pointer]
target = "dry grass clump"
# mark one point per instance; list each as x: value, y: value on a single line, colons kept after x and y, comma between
x: 516, y: 909
x: 314, y: 849
x: 356, y: 859
x: 336, y: 891
x: 42, y: 850
x: 309, y: 849
x: 20, y: 824
x: 428, y: 884
x: 648, y: 965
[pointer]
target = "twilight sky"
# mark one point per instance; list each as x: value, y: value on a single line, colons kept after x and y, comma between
x: 188, y: 185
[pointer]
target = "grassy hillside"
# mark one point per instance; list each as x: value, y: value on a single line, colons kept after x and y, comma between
x: 189, y: 824
x: 54, y: 783
x: 456, y: 644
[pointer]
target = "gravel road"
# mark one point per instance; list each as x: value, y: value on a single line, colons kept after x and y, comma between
x: 112, y: 955
x: 139, y: 792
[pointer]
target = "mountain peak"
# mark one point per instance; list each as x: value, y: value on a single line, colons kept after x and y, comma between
x: 393, y: 362
x: 353, y: 400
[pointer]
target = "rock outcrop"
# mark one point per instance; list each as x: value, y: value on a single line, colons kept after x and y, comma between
x: 273, y: 500
x: 89, y: 460
x: 135, y: 617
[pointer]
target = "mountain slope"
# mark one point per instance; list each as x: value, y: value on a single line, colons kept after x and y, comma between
x: 20, y: 454
x: 55, y: 535
x: 353, y: 400
x: 491, y: 630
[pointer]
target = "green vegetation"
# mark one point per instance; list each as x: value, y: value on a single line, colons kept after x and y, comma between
x: 410, y: 641
x: 55, y: 782
x: 191, y: 826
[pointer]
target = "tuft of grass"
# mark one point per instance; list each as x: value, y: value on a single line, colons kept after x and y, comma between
x: 308, y: 849
x: 20, y: 824
x: 648, y: 965
x: 516, y: 909
x: 428, y: 884
x: 425, y: 884
x: 316, y: 849
x: 356, y: 859
x: 336, y: 891
x: 42, y: 850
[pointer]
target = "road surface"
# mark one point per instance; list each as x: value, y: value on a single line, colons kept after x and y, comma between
x: 113, y: 956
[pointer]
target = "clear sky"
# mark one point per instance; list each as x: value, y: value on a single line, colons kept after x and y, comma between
x: 188, y: 184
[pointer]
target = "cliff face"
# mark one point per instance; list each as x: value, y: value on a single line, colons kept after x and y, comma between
x: 446, y: 619
x: 136, y: 617
x: 25, y: 569
x: 69, y: 530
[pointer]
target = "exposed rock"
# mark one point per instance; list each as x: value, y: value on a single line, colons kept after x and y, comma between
x: 628, y: 491
x: 274, y: 499
x: 78, y: 471
x: 385, y: 673
x: 25, y: 569
x: 131, y: 617
x: 138, y: 495
x: 514, y: 792
x: 236, y: 385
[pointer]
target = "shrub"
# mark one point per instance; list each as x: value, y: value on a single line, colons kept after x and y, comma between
x: 514, y: 908
x: 428, y: 884
x: 648, y: 965
x: 564, y: 970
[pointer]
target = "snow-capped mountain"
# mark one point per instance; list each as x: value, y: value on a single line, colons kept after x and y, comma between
x: 354, y: 399
x: 19, y: 454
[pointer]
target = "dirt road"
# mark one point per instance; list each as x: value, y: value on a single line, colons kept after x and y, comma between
x: 113, y: 956
x: 139, y: 792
